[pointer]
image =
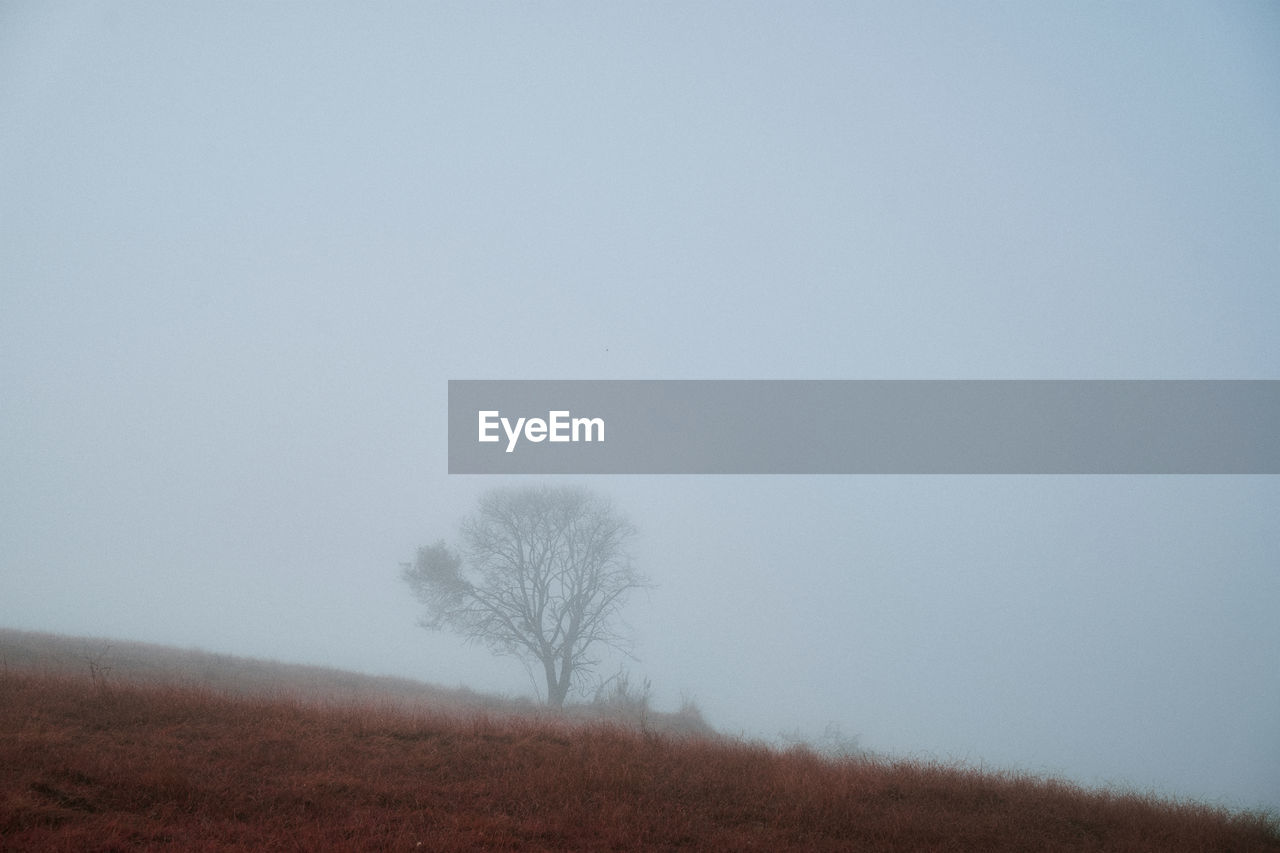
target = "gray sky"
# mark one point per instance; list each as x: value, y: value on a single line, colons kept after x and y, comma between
x: 243, y: 246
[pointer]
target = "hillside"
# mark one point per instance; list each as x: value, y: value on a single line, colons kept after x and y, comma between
x: 114, y: 661
x: 93, y: 760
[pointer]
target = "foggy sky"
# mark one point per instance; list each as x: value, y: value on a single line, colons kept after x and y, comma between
x: 244, y: 246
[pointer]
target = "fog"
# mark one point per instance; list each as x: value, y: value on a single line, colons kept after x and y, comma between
x: 243, y: 247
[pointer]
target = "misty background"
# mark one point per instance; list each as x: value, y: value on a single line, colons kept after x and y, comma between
x: 244, y: 246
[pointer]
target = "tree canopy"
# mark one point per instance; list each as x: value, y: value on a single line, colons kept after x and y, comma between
x: 541, y: 574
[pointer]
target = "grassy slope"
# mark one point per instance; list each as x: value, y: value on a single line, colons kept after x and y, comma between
x: 101, y: 764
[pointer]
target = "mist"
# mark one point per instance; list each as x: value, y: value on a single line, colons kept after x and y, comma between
x: 244, y: 248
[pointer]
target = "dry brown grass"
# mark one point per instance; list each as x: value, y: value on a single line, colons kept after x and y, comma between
x: 112, y: 764
x: 145, y: 663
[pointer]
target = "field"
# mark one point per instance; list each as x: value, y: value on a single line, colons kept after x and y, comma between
x: 120, y: 756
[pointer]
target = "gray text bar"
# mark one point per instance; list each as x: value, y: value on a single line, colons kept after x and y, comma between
x: 864, y: 427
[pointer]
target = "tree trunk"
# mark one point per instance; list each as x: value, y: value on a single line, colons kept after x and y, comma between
x: 562, y: 690
x: 557, y: 687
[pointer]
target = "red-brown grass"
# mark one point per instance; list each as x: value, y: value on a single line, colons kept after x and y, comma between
x: 146, y: 663
x: 93, y: 764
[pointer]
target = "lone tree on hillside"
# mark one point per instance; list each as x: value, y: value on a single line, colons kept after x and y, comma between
x: 541, y: 575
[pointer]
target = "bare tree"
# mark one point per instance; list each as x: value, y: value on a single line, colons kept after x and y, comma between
x: 541, y: 575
